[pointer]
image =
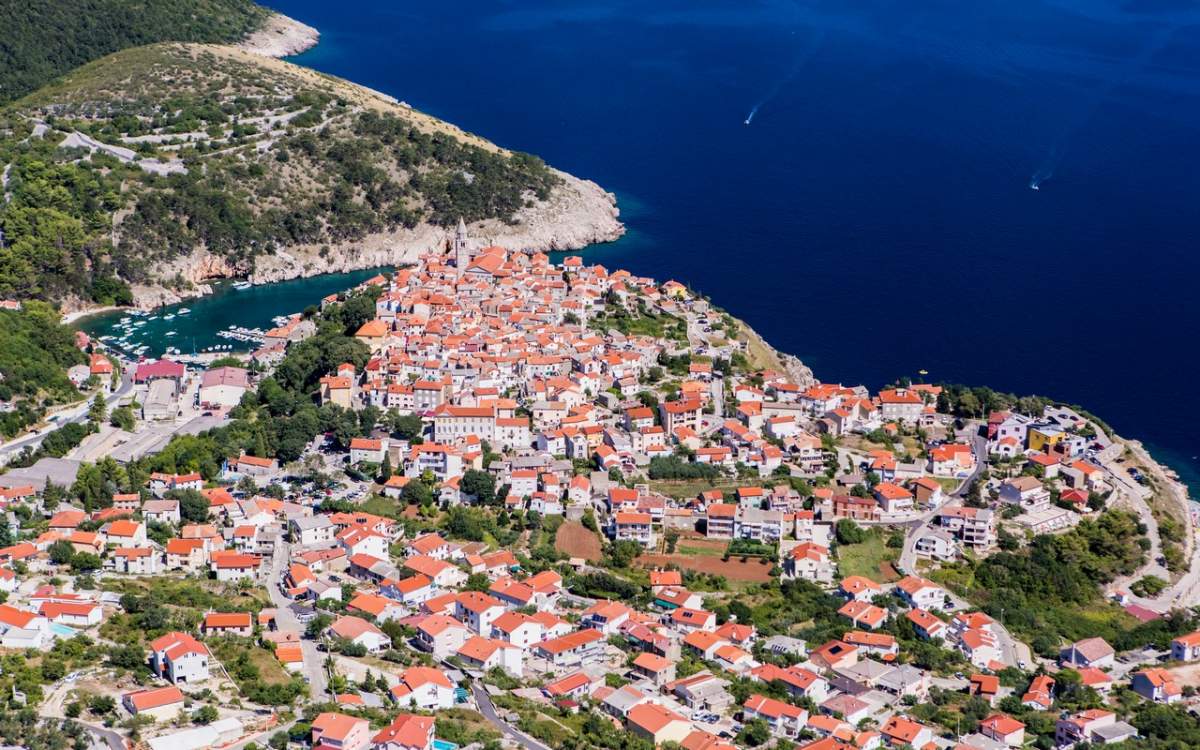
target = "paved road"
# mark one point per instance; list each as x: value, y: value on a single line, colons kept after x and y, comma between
x: 979, y: 448
x: 75, y: 414
x: 314, y: 660
x: 484, y: 701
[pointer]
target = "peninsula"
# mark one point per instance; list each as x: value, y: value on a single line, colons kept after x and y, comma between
x: 184, y: 163
x: 489, y: 500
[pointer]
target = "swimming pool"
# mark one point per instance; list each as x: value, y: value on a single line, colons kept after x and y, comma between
x: 63, y: 631
x: 444, y: 745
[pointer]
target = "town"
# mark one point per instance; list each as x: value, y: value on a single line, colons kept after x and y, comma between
x: 490, y: 500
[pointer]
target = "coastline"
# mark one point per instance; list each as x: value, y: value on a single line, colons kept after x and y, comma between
x: 281, y: 36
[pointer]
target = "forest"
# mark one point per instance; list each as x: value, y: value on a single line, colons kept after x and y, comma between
x: 35, y: 351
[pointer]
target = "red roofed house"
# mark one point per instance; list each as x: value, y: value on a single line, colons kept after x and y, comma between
x: 367, y: 449
x: 1156, y: 684
x: 406, y: 732
x: 1003, y: 728
x: 162, y: 369
x: 340, y: 732
x: 784, y: 719
x: 161, y: 704
x: 359, y: 631
x: 635, y: 527
x: 657, y: 724
x: 901, y: 732
x: 659, y: 670
x: 228, y: 623
x: 425, y: 688
x: 178, y: 657
x: 1186, y: 647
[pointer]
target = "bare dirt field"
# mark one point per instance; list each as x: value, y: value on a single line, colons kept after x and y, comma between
x: 733, y: 569
x: 576, y: 540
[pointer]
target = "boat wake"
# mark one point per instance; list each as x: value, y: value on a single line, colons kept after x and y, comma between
x: 801, y: 60
x: 1093, y: 101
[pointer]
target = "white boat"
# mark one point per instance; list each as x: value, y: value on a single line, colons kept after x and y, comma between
x: 168, y: 317
x: 170, y: 333
x: 183, y: 311
x: 239, y: 285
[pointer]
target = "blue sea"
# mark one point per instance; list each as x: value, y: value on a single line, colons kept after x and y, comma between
x: 875, y: 215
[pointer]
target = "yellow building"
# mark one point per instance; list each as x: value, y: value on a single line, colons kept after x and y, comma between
x: 1043, y: 439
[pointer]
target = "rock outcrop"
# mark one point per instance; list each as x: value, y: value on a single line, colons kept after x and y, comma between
x: 281, y: 36
x: 578, y: 213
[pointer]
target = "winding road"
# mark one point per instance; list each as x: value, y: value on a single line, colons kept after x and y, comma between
x: 484, y: 701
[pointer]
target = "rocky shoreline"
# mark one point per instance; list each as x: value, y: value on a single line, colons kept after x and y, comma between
x: 577, y: 214
x: 281, y: 36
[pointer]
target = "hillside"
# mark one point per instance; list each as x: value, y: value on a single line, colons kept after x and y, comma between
x: 43, y: 39
x: 35, y: 352
x: 161, y: 166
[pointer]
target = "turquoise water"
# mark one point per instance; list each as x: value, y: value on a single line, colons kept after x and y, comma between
x: 246, y: 308
x: 444, y: 745
x: 63, y: 631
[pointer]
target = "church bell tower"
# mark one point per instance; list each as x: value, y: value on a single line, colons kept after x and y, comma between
x: 459, y: 247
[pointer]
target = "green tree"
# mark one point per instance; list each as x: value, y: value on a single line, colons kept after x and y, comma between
x: 848, y: 532
x: 193, y: 506
x: 98, y: 410
x: 480, y: 485
x: 61, y: 552
x: 205, y: 715
x: 122, y: 418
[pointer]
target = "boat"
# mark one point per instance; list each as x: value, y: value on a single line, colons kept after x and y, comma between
x: 183, y: 311
x: 240, y: 285
x: 168, y: 317
x: 170, y: 333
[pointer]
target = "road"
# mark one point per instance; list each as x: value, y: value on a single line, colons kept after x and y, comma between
x: 78, y: 413
x: 484, y: 701
x: 52, y: 705
x: 285, y: 619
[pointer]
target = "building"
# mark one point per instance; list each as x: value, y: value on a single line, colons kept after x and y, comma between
x: 1090, y: 652
x: 574, y: 649
x: 406, y: 732
x: 179, y: 658
x: 784, y: 719
x: 360, y: 632
x: 657, y: 724
x: 1157, y: 685
x: 340, y: 732
x: 918, y: 592
x: 228, y: 623
x: 425, y: 688
x: 1095, y: 726
x: 721, y: 520
x: 636, y: 527
x: 223, y: 387
x: 160, y: 704
x: 1186, y: 647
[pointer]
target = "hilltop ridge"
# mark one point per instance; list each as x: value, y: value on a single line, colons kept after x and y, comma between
x: 187, y: 162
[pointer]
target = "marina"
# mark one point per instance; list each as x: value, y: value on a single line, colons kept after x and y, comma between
x: 235, y: 318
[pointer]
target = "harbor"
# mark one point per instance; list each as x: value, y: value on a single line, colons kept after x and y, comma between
x: 235, y: 318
